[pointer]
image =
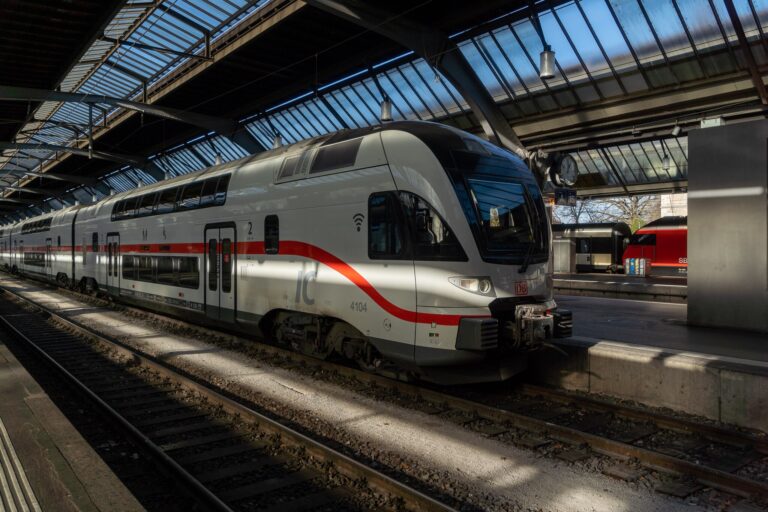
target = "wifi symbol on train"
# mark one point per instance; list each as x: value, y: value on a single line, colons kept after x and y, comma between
x: 358, y: 219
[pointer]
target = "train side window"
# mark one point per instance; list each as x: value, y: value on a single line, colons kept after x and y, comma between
x: 226, y: 265
x: 129, y: 208
x: 209, y: 192
x: 145, y: 269
x: 129, y: 267
x: 213, y: 264
x: 189, y: 273
x: 109, y: 259
x: 190, y: 196
x: 58, y: 241
x: 167, y: 201
x: 95, y: 242
x: 289, y: 167
x: 221, y: 190
x: 146, y: 204
x: 431, y: 238
x: 165, y: 271
x: 336, y: 156
x: 271, y: 234
x: 385, y: 227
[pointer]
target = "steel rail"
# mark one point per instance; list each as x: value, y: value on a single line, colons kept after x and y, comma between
x: 712, y: 477
x: 345, y: 465
x: 197, y: 489
x: 712, y: 432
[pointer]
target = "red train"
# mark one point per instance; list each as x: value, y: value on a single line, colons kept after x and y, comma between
x: 663, y: 241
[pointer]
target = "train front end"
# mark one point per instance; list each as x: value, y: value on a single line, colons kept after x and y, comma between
x: 498, y: 287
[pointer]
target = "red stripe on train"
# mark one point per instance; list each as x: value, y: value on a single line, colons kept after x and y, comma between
x: 305, y: 250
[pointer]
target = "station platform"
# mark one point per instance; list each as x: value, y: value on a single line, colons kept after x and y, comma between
x: 654, y: 288
x: 45, y: 464
x: 645, y: 352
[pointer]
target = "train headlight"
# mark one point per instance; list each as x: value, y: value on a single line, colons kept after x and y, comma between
x: 479, y: 285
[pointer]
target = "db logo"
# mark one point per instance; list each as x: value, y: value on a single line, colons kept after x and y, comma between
x: 521, y: 288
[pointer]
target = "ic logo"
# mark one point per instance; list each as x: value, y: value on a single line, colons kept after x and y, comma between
x: 358, y: 219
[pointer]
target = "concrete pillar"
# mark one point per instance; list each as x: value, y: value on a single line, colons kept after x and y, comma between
x: 728, y: 226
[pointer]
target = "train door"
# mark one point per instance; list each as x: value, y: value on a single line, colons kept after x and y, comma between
x: 113, y: 265
x: 220, y: 270
x: 583, y: 254
x: 48, y: 259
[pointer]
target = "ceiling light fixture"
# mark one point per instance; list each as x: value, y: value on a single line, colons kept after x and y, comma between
x: 386, y: 110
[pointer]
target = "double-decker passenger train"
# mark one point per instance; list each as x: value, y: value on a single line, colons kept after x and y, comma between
x: 409, y: 245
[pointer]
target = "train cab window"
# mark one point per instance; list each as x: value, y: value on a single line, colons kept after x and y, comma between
x: 385, y: 227
x: 109, y: 259
x: 190, y: 196
x: 213, y: 264
x: 226, y: 265
x: 146, y: 204
x: 643, y: 239
x: 431, y: 237
x: 95, y: 242
x: 167, y: 201
x: 271, y: 234
x: 58, y: 240
x: 221, y: 190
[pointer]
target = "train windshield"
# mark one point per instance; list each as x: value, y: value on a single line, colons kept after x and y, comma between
x: 505, y: 209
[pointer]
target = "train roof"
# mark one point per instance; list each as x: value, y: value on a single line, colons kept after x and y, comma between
x: 441, y: 139
x: 671, y: 221
x: 593, y: 228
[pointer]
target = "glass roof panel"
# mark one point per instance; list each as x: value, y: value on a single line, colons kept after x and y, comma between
x: 579, y: 32
x: 668, y: 26
x: 564, y: 50
x: 608, y: 32
x: 529, y: 75
x: 635, y: 27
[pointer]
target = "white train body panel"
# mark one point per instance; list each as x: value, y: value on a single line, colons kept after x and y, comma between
x: 218, y: 263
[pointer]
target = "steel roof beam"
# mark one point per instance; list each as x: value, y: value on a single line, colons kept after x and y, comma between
x: 438, y: 50
x: 226, y: 127
x: 37, y: 191
x: 54, y: 176
x: 152, y: 48
x: 184, y: 19
x: 757, y: 78
x: 101, y: 155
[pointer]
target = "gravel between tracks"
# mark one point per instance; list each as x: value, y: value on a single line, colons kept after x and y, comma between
x: 479, y: 471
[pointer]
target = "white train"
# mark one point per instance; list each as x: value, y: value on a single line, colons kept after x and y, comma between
x: 408, y: 245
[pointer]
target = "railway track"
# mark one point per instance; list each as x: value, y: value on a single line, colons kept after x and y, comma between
x: 225, y: 455
x: 692, y: 454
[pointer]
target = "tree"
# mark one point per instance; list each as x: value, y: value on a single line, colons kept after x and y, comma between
x: 635, y: 211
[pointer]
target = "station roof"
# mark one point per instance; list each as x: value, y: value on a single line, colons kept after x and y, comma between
x: 628, y: 71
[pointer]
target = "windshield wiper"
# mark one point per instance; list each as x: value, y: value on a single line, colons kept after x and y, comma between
x: 529, y: 253
x: 527, y: 259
